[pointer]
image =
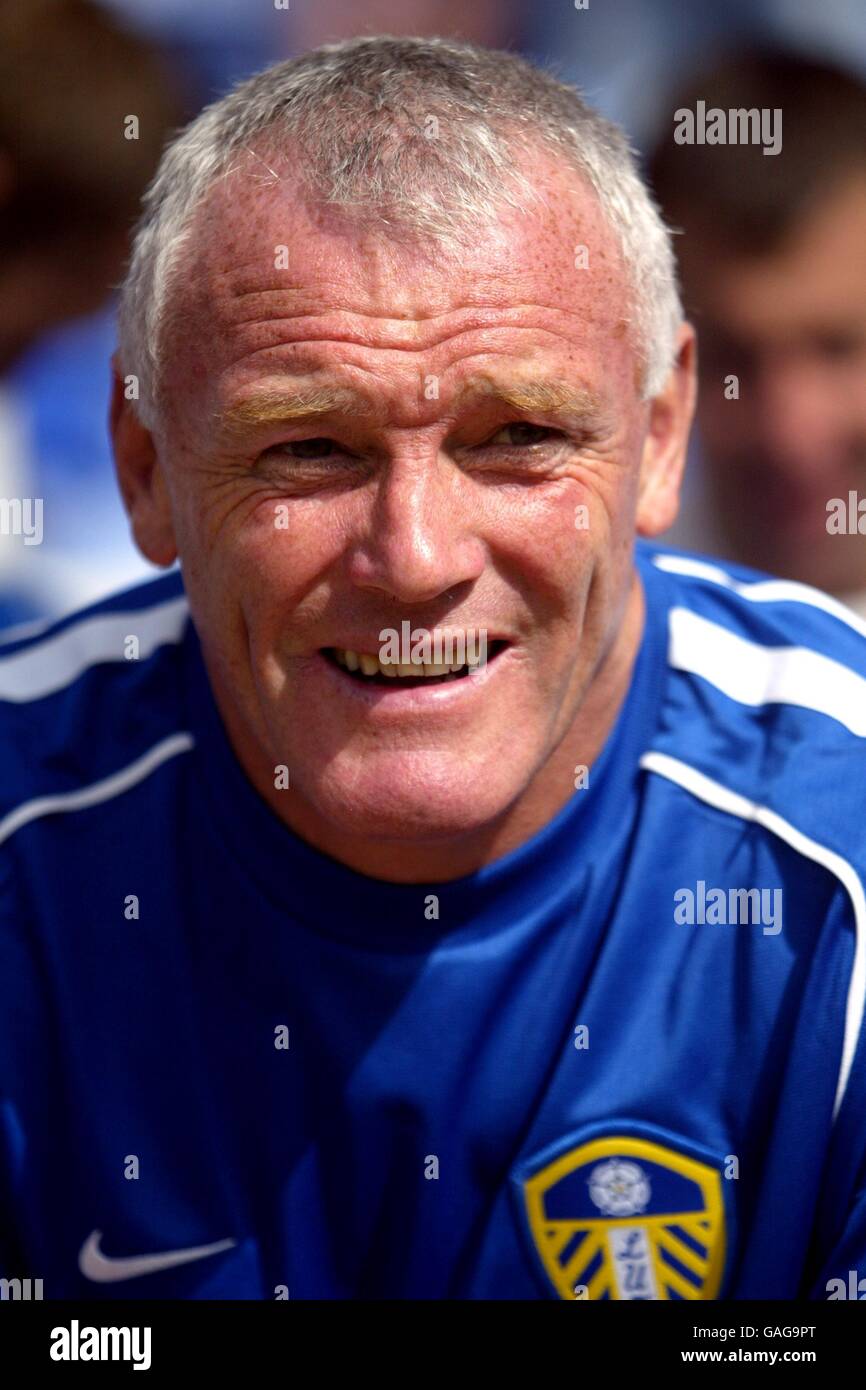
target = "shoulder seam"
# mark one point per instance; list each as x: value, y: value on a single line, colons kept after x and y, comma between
x: 760, y: 590
x: 752, y: 673
x: 95, y: 792
x: 56, y: 661
x: 723, y: 799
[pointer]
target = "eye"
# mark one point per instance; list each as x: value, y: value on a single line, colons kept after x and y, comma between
x: 317, y: 448
x: 523, y: 435
x: 838, y: 346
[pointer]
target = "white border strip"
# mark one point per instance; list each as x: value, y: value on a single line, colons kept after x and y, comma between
x: 714, y: 794
x: 97, y: 792
x: 753, y: 674
x: 761, y: 590
x: 50, y: 665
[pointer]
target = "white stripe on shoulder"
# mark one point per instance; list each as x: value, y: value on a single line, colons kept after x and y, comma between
x: 48, y: 666
x: 714, y: 794
x: 97, y: 792
x: 761, y: 590
x: 755, y: 675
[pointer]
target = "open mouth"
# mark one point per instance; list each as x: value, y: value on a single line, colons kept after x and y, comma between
x: 369, y: 670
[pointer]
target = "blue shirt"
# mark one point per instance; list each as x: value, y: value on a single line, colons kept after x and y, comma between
x: 625, y: 1060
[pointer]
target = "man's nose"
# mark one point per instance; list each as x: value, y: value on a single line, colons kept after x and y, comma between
x: 419, y: 539
x: 796, y: 418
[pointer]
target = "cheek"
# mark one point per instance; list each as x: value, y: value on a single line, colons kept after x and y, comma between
x: 546, y: 548
x: 587, y: 521
x: 552, y: 542
x: 248, y: 529
x: 279, y: 560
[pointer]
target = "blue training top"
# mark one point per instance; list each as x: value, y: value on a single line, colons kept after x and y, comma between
x: 624, y: 1061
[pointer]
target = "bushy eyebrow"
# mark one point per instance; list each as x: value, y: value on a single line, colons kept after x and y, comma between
x: 544, y: 396
x: 547, y: 396
x: 272, y: 407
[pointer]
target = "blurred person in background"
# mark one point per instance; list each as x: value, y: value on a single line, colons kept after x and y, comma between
x: 627, y: 56
x: 773, y: 264
x: 493, y: 23
x: 73, y: 167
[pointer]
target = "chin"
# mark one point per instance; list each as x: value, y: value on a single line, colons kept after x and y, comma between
x: 411, y: 798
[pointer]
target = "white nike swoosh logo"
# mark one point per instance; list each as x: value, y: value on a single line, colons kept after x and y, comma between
x: 102, y: 1269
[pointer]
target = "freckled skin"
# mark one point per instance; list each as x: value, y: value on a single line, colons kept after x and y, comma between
x: 414, y: 514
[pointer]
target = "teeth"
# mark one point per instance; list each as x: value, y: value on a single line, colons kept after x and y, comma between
x: 371, y: 666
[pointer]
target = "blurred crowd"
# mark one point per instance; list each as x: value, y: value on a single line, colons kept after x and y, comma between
x: 771, y: 246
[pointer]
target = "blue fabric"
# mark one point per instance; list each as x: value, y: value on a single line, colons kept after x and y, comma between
x: 433, y: 1067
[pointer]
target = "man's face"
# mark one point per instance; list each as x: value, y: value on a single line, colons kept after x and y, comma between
x: 792, y: 327
x: 417, y: 494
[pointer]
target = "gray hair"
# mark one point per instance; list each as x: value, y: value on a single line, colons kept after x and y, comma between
x: 360, y: 115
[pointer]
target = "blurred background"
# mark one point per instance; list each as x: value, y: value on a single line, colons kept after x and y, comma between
x: 772, y: 248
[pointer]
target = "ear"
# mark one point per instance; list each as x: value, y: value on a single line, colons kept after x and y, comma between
x: 141, y: 477
x: 665, y: 447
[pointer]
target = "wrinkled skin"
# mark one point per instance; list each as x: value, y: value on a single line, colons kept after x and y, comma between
x: 426, y: 507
